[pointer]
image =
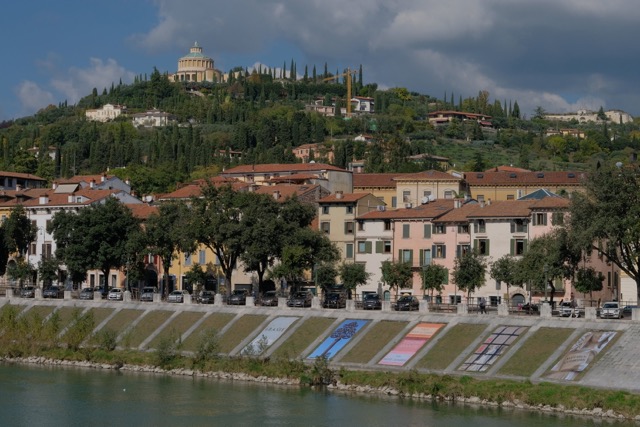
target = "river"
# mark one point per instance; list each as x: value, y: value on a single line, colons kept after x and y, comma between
x: 53, y: 396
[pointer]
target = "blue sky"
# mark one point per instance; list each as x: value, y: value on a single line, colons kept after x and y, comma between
x: 561, y: 55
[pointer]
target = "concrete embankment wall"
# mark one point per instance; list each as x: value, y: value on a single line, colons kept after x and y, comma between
x: 276, y: 330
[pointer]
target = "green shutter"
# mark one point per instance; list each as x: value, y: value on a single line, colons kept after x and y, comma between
x: 446, y: 280
x: 379, y: 246
x: 475, y: 245
x: 405, y: 231
x: 367, y: 247
x: 488, y: 251
x: 524, y: 246
x: 427, y: 231
x: 421, y: 257
x: 513, y: 246
x: 544, y: 218
x: 411, y: 256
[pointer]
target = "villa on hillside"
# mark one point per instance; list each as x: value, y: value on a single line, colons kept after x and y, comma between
x: 585, y: 116
x: 107, y: 113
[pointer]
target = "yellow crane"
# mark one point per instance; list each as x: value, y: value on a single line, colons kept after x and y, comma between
x: 348, y: 75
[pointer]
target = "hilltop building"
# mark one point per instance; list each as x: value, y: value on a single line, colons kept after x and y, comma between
x: 107, y: 113
x: 585, y: 116
x: 195, y: 67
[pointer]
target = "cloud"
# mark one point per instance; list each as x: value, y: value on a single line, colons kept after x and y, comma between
x: 78, y: 82
x: 32, y: 97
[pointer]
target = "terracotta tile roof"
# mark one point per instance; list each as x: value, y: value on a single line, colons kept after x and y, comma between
x: 427, y: 211
x: 344, y: 198
x: 375, y: 179
x: 194, y: 189
x: 430, y: 175
x: 142, y: 210
x: 31, y: 197
x: 501, y: 209
x: 551, y: 203
x: 295, y: 177
x: 286, y: 190
x: 524, y: 178
x: 505, y: 168
x: 281, y: 167
x: 21, y: 175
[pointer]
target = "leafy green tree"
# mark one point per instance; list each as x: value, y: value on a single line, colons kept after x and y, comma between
x: 353, y: 275
x: 19, y: 231
x: 325, y: 275
x: 468, y: 272
x: 605, y: 217
x: 588, y: 280
x: 434, y: 277
x: 196, y: 276
x: 102, y: 230
x: 504, y: 270
x: 48, y: 270
x: 397, y: 275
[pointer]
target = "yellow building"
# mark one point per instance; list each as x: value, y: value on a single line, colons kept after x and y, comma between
x: 381, y: 185
x: 511, y: 185
x: 195, y: 67
x: 415, y: 189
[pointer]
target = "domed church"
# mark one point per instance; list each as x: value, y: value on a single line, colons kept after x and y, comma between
x: 195, y: 67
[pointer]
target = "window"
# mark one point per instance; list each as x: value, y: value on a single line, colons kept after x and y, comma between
x: 114, y: 281
x: 510, y: 197
x: 349, y: 209
x: 439, y: 229
x: 425, y: 257
x: 557, y: 218
x: 480, y: 197
x: 463, y: 229
x: 394, y: 202
x: 387, y: 225
x: 325, y: 210
x: 92, y: 280
x: 518, y: 246
x: 406, y: 196
x: 405, y: 231
x: 427, y: 231
x: 455, y: 299
x: 360, y: 225
x: 202, y: 257
x: 46, y: 250
x: 348, y: 250
x: 448, y: 194
x: 406, y: 255
x: 540, y: 218
x: 187, y: 259
x: 495, y: 300
x: 348, y: 227
x: 439, y: 251
x: 519, y: 226
x: 325, y: 227
x: 480, y: 226
x: 364, y: 247
x: 383, y: 247
x: 426, y: 193
x: 481, y: 246
x: 462, y: 250
x: 32, y: 248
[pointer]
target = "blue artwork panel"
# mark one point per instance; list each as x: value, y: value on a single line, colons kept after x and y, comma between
x: 338, y: 339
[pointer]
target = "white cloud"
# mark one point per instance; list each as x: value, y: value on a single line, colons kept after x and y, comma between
x: 32, y: 97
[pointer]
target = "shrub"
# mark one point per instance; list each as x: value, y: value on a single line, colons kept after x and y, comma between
x: 207, y: 349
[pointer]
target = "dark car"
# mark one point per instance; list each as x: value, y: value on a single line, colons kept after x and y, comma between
x: 28, y: 292
x: 628, y: 309
x: 372, y: 302
x: 238, y: 297
x: 53, y: 292
x: 86, y: 294
x: 206, y: 297
x: 300, y: 299
x: 148, y: 293
x: 334, y: 300
x: 407, y: 303
x: 269, y: 298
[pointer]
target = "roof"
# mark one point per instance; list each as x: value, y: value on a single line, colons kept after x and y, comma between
x: 282, y: 167
x: 142, y: 210
x: 430, y: 175
x: 31, y: 197
x: 21, y: 176
x: 194, y: 189
x: 375, y: 179
x: 286, y: 191
x: 430, y: 210
x: 295, y: 177
x: 504, y: 168
x: 85, y: 178
x: 538, y: 194
x: 522, y: 178
x: 344, y: 197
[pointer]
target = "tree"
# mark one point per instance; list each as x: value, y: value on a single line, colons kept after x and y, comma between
x: 504, y: 270
x: 325, y: 275
x: 21, y: 270
x: 397, y: 275
x: 48, y: 270
x: 353, y: 275
x: 196, y: 277
x: 468, y: 272
x: 588, y: 281
x: 19, y: 231
x: 102, y: 230
x: 164, y: 235
x: 605, y: 217
x: 434, y: 277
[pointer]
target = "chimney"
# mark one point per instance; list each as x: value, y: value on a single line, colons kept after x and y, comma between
x: 70, y: 198
x: 103, y: 177
x: 54, y: 185
x: 489, y: 202
x: 276, y: 194
x: 18, y: 187
x: 43, y: 200
x: 482, y: 203
x: 339, y: 195
x: 92, y: 184
x: 457, y: 203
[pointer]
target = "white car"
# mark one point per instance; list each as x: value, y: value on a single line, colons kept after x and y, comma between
x: 177, y: 296
x: 611, y: 310
x: 115, y: 294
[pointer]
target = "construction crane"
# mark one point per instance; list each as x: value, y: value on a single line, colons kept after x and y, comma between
x: 348, y: 75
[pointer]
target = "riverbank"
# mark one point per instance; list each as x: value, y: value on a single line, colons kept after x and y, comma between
x: 463, y: 390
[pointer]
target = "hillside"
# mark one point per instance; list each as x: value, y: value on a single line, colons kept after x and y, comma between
x: 264, y: 119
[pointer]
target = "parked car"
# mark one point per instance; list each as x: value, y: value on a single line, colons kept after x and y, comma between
x: 372, y: 302
x: 86, y: 294
x: 611, y: 310
x: 28, y: 292
x: 238, y: 297
x: 206, y: 297
x: 300, y: 299
x: 177, y: 295
x: 407, y: 303
x: 628, y: 309
x: 147, y: 293
x: 53, y: 292
x: 334, y: 300
x: 565, y: 309
x: 115, y: 294
x: 269, y: 298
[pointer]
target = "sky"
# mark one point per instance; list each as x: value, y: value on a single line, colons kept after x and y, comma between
x: 561, y: 55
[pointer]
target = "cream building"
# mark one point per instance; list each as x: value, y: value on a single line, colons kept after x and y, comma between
x: 195, y: 67
x: 107, y: 113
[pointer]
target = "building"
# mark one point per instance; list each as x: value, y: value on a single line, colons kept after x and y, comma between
x: 195, y: 67
x: 415, y: 189
x: 98, y: 182
x: 107, y: 113
x: 20, y: 181
x: 313, y: 152
x: 362, y: 104
x: 443, y: 117
x: 381, y: 185
x: 585, y: 116
x: 153, y: 118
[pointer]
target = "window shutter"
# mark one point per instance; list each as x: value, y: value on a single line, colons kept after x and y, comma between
x: 513, y: 246
x: 535, y: 219
x: 400, y: 255
x: 444, y: 251
x: 475, y: 245
x: 513, y: 227
x: 446, y: 280
x: 405, y: 231
x: 458, y: 251
x: 421, y: 257
x: 544, y: 219
x: 433, y: 250
x: 379, y: 247
x: 488, y: 251
x: 349, y: 250
x: 475, y: 227
x: 427, y: 231
x: 524, y: 246
x: 411, y: 256
x: 367, y: 247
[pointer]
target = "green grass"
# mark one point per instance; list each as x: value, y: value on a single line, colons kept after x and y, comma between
x: 535, y: 351
x: 240, y: 330
x: 146, y: 327
x: 375, y: 339
x: 456, y: 340
x: 99, y: 314
x: 122, y: 320
x: 178, y: 326
x: 302, y: 337
x: 215, y: 321
x: 41, y: 310
x: 66, y: 313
